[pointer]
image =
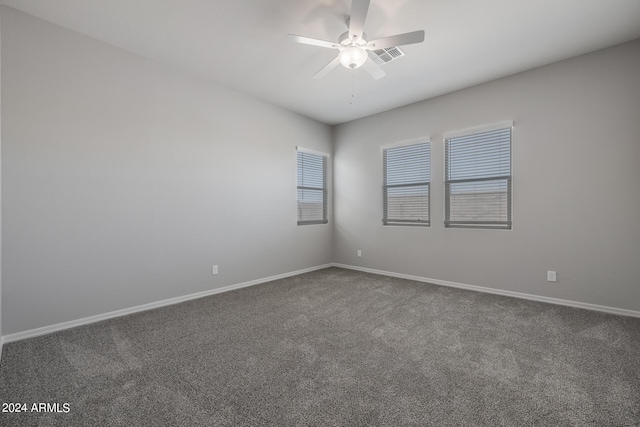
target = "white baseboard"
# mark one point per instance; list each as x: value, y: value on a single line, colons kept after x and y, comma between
x: 577, y: 304
x: 118, y: 313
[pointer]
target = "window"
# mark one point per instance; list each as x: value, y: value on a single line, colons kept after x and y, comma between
x: 478, y: 178
x: 312, y: 187
x: 407, y: 176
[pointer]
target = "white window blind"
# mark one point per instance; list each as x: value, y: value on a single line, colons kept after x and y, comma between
x: 312, y: 188
x: 407, y: 176
x: 478, y: 179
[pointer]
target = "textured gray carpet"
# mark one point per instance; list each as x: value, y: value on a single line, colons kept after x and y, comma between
x: 335, y: 347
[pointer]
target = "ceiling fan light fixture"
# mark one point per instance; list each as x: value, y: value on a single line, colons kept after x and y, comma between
x: 352, y: 57
x: 354, y: 45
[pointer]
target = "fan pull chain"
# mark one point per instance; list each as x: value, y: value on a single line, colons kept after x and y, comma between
x: 352, y: 84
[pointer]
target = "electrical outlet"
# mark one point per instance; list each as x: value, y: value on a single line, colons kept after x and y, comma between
x: 214, y: 270
x: 359, y: 253
x: 551, y: 276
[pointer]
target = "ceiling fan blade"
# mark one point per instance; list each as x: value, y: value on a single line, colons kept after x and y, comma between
x: 359, y: 9
x: 313, y: 42
x: 373, y: 69
x: 325, y: 70
x: 397, y: 40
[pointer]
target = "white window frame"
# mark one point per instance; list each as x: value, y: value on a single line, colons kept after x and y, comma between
x: 323, y: 188
x: 386, y: 221
x: 501, y: 225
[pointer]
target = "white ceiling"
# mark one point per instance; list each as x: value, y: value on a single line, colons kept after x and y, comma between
x: 242, y: 44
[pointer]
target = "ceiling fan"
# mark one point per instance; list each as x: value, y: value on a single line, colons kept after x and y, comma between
x: 353, y: 44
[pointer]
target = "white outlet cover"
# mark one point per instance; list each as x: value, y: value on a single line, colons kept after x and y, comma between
x: 551, y: 276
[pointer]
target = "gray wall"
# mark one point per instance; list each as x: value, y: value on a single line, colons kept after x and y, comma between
x: 124, y: 181
x: 576, y: 166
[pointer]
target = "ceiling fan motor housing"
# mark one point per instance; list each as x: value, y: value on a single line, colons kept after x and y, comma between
x: 345, y: 40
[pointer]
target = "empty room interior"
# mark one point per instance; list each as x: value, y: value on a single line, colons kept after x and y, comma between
x: 320, y: 212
